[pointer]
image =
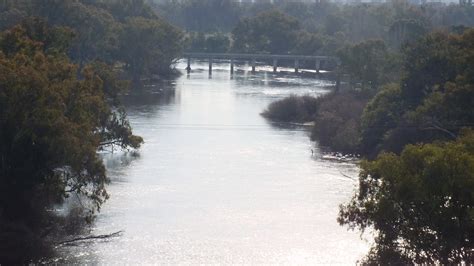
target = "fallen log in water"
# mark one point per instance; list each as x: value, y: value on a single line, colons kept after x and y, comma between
x: 115, y: 234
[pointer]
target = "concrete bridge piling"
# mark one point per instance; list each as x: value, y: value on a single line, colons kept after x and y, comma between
x: 210, y: 65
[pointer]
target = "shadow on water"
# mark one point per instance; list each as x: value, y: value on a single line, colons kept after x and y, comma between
x: 116, y: 163
x: 289, y: 126
x: 149, y: 97
x: 120, y: 160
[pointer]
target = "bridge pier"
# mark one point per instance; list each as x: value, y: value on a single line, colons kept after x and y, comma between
x: 232, y: 66
x: 297, y: 65
x: 253, y: 65
x: 275, y: 65
x: 188, y: 68
x: 318, y: 66
x: 210, y: 65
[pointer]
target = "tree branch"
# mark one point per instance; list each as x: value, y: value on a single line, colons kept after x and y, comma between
x: 115, y: 234
x: 434, y: 126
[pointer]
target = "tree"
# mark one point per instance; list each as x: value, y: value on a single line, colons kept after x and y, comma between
x: 212, y: 43
x: 420, y: 204
x: 429, y: 64
x: 104, y: 31
x: 196, y: 42
x: 406, y: 30
x: 217, y: 43
x: 366, y: 62
x: 338, y: 125
x: 269, y: 32
x: 433, y: 100
x: 298, y: 109
x: 158, y: 48
x: 52, y: 125
x: 95, y: 28
x: 123, y: 9
x: 334, y: 24
x: 208, y: 15
x: 382, y: 113
x: 308, y: 43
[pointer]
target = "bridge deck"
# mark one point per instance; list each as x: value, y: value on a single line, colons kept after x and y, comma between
x: 259, y: 56
x: 318, y: 60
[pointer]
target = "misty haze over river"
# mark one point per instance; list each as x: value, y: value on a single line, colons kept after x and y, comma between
x: 217, y: 183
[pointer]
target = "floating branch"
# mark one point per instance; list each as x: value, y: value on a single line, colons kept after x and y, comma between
x: 118, y: 233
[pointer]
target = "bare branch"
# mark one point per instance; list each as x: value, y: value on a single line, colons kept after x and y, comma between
x: 115, y: 234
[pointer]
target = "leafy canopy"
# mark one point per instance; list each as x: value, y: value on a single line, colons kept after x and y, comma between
x: 420, y: 204
x: 52, y: 123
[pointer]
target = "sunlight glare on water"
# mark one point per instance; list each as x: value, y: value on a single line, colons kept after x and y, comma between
x: 217, y: 183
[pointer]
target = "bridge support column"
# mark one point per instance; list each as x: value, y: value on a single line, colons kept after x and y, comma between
x: 318, y: 66
x: 188, y: 68
x: 253, y: 65
x: 297, y: 65
x: 275, y: 65
x: 210, y: 65
x: 231, y: 66
x: 338, y: 76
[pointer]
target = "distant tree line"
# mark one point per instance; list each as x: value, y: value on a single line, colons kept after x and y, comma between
x: 314, y: 28
x: 107, y: 31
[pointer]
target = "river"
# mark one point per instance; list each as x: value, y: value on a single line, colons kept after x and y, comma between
x: 217, y: 183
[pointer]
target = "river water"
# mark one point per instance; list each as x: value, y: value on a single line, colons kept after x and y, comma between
x: 217, y: 183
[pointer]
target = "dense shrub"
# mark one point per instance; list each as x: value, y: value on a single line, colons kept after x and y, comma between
x: 292, y: 109
x: 336, y: 117
x: 337, y: 121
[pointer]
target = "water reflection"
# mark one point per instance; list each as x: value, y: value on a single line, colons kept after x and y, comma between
x: 149, y: 98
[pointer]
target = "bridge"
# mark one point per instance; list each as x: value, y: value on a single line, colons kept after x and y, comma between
x: 318, y: 60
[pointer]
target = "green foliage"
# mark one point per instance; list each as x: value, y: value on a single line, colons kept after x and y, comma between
x: 393, y: 22
x: 381, y: 114
x: 269, y: 32
x: 102, y: 31
x: 367, y: 62
x: 406, y: 30
x: 429, y: 63
x: 123, y: 9
x: 95, y: 28
x: 337, y: 121
x: 334, y: 24
x: 336, y: 125
x: 434, y: 100
x: 308, y: 43
x: 420, y: 204
x: 52, y: 125
x: 292, y: 109
x: 217, y: 43
x: 202, y: 15
x: 157, y: 48
x: 211, y: 43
